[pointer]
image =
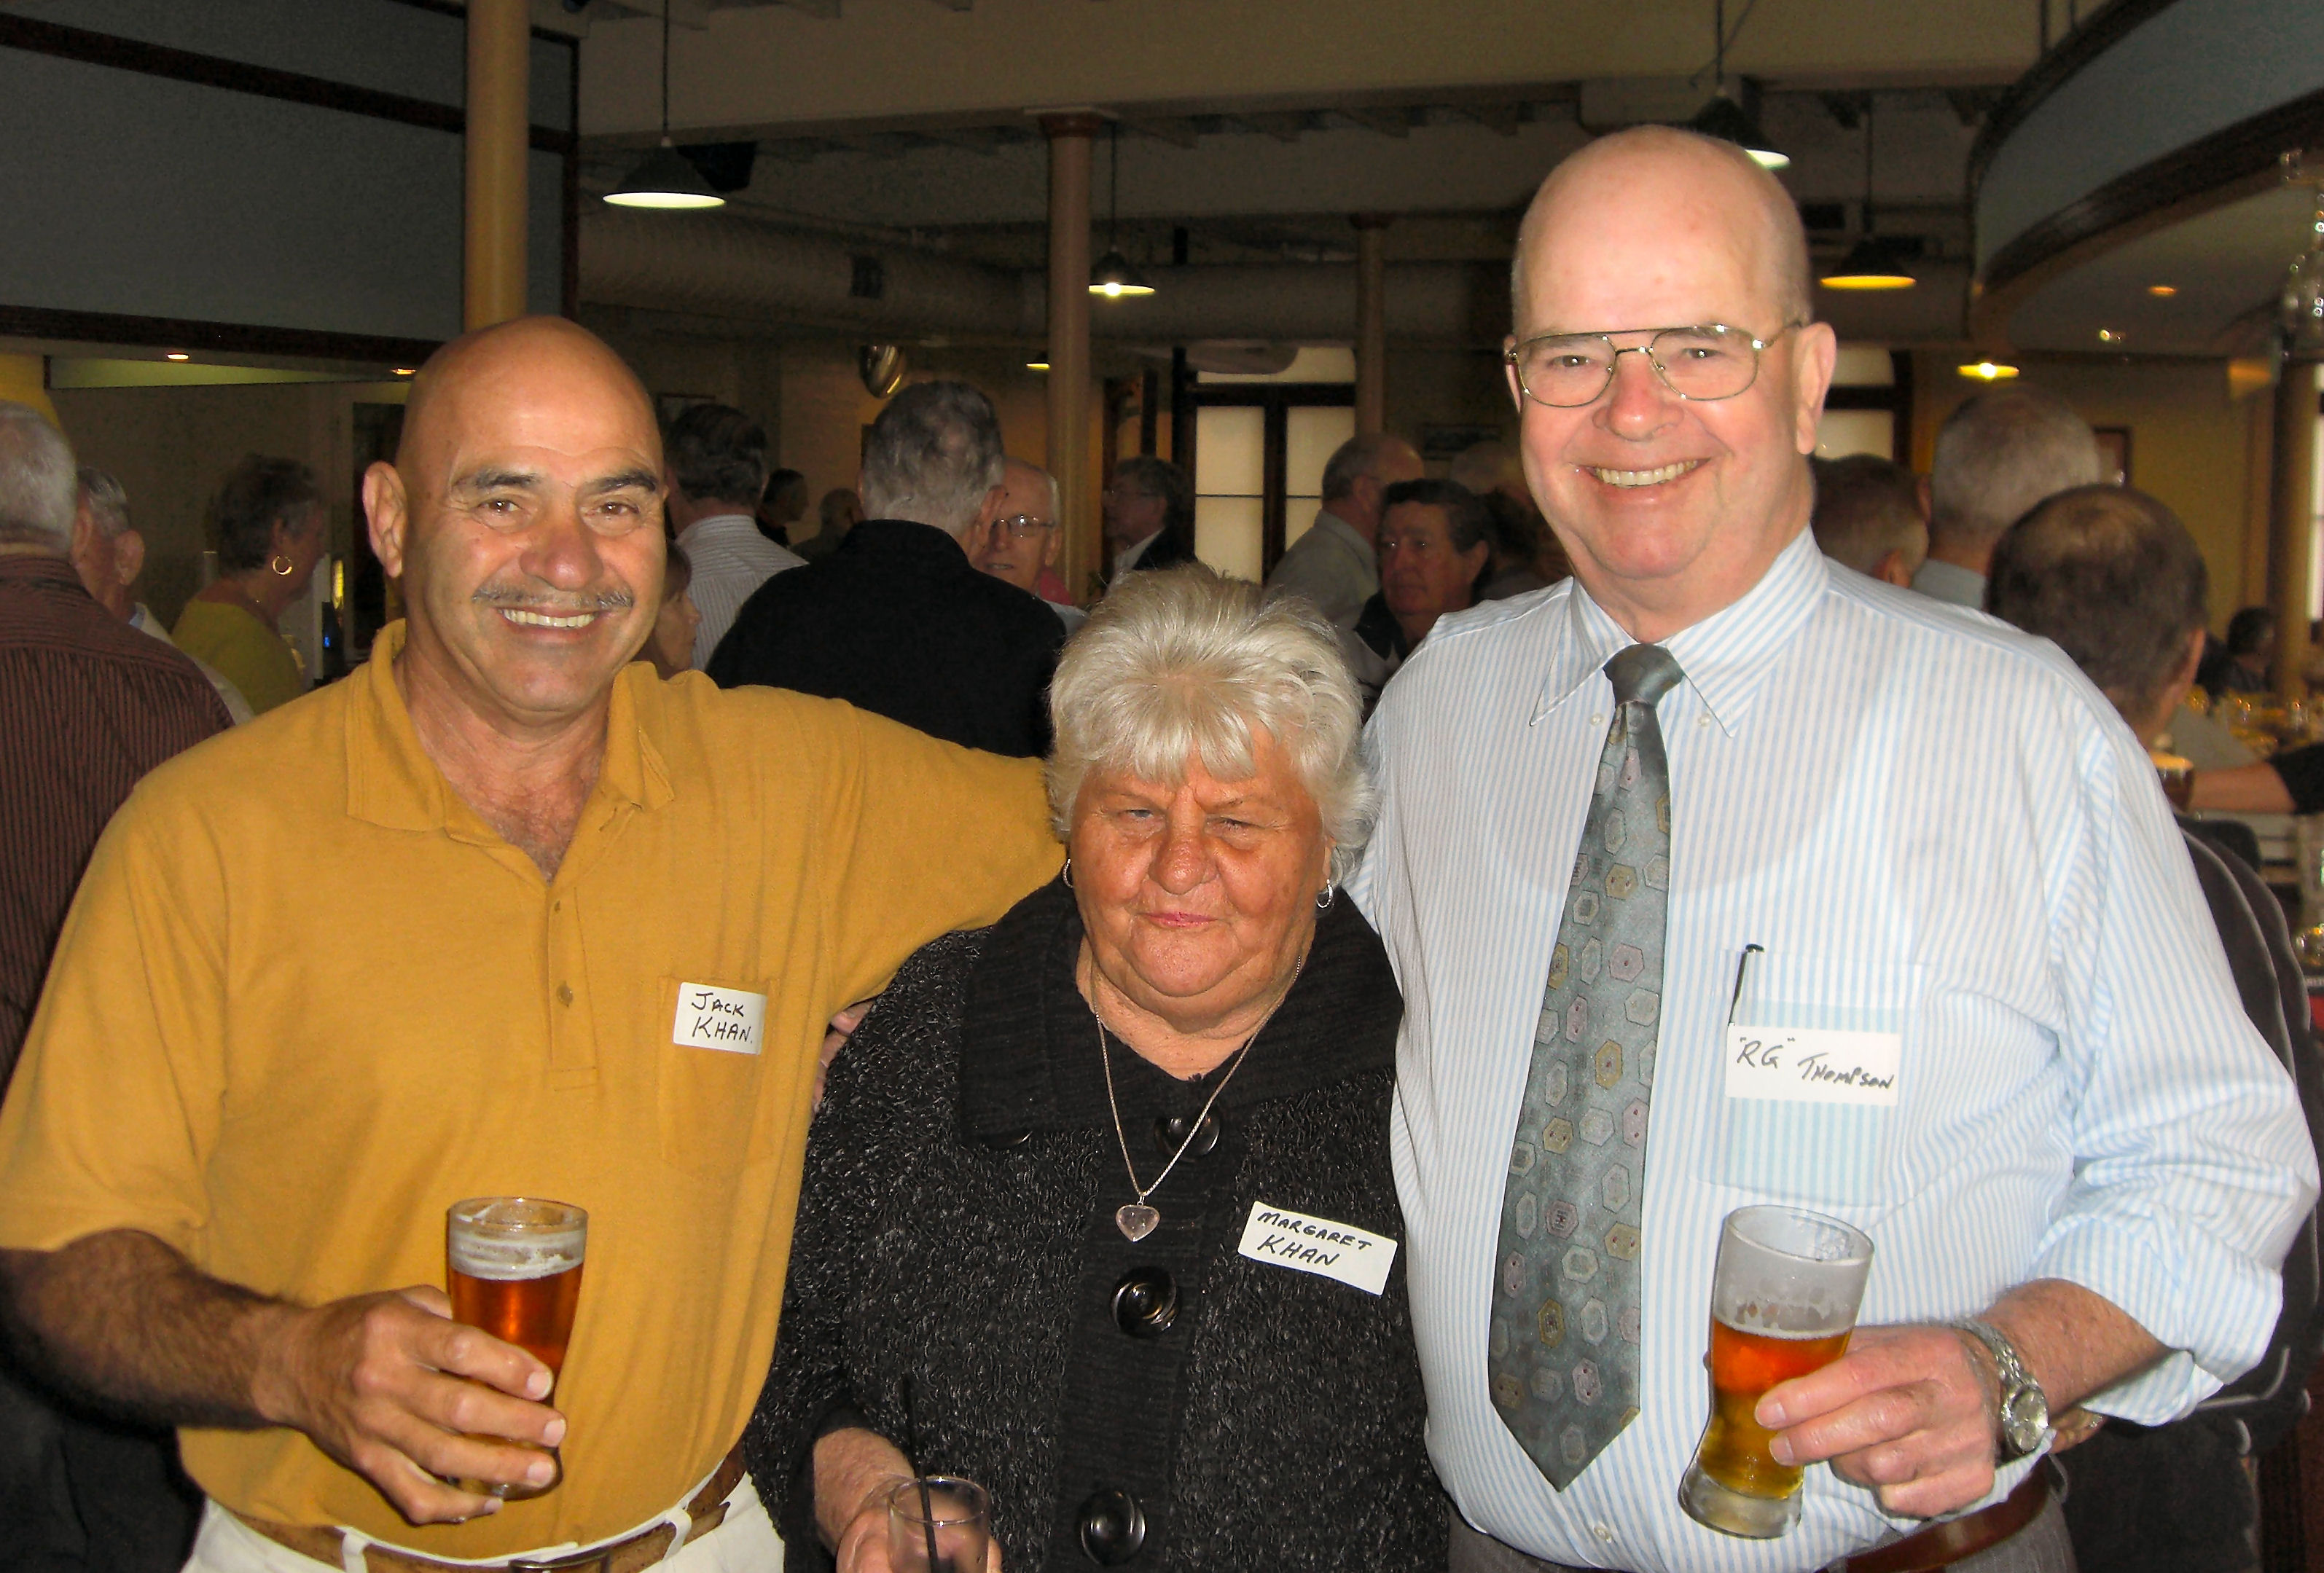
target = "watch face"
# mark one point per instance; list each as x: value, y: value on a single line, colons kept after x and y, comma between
x: 2023, y: 1419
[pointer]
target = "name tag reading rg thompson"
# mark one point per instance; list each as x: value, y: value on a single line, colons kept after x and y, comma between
x: 708, y: 1017
x: 1805, y: 1064
x: 1283, y: 1238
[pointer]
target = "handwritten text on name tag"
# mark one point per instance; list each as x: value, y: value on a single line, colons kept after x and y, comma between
x: 1814, y: 1066
x: 1283, y: 1238
x: 709, y: 1017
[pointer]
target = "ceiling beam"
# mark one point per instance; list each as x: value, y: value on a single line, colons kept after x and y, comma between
x: 1282, y: 127
x: 985, y: 140
x: 1501, y: 118
x: 1177, y: 132
x: 1386, y: 122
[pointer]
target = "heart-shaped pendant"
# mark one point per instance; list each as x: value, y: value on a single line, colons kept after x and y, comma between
x: 1136, y: 1221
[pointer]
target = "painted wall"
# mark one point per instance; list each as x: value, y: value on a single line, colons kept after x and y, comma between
x: 2191, y: 445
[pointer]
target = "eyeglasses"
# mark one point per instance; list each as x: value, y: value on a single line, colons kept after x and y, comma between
x: 1704, y: 364
x: 1023, y: 525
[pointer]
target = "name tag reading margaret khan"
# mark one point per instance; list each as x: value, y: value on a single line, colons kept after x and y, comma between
x: 1805, y: 1064
x: 1283, y: 1238
x: 708, y: 1017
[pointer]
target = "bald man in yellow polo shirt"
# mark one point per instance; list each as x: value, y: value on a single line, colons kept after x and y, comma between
x: 422, y: 935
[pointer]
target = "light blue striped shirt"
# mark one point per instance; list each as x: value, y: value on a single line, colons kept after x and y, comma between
x: 1934, y: 825
x: 730, y: 559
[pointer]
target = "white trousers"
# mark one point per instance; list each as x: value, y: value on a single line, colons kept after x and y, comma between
x: 746, y: 1543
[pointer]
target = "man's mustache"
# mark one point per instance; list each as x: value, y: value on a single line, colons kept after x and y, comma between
x: 511, y: 598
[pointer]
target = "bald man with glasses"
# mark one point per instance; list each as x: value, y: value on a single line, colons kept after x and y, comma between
x: 1709, y: 791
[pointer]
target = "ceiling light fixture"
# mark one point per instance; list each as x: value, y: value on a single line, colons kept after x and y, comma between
x: 1113, y: 277
x: 2163, y: 291
x: 1989, y: 371
x: 177, y: 356
x: 407, y: 370
x: 1037, y: 366
x: 1723, y: 117
x: 1873, y: 264
x: 2109, y: 335
x: 665, y: 180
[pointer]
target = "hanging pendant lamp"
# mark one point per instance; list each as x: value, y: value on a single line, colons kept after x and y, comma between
x: 665, y: 179
x: 1873, y: 264
x: 1113, y: 276
x: 1723, y: 117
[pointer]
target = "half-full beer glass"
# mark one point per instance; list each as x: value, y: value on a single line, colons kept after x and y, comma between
x: 513, y: 1267
x: 1783, y: 1302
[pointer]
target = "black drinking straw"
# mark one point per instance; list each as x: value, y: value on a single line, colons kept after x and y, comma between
x: 912, y: 1456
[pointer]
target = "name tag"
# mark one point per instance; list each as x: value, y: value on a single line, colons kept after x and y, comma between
x: 1806, y: 1064
x: 708, y: 1017
x: 1283, y: 1238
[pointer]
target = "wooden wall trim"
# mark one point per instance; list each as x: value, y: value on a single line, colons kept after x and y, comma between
x: 2103, y: 30
x: 233, y: 338
x: 152, y: 60
x: 2230, y: 164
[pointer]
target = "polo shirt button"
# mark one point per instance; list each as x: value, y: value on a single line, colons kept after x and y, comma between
x: 1702, y: 720
x: 1604, y: 1531
x: 1111, y: 1527
x: 565, y: 994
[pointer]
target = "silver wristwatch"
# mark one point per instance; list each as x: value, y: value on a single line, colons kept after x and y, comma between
x: 2025, y: 1411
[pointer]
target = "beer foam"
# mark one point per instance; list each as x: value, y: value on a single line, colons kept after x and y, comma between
x: 514, y: 1237
x: 513, y: 1256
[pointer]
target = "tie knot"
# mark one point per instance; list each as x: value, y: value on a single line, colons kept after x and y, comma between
x: 1642, y: 672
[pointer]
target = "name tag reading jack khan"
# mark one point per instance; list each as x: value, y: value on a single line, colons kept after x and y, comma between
x: 1805, y: 1064
x: 708, y: 1017
x: 1283, y: 1238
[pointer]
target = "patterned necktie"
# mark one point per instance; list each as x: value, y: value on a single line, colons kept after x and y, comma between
x: 1563, y: 1358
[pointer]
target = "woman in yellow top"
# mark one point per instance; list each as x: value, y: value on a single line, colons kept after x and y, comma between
x: 266, y: 523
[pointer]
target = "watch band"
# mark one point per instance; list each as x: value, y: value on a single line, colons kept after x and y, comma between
x: 2025, y: 1417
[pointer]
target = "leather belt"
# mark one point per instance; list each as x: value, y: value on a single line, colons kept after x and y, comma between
x: 706, y: 1511
x: 1941, y: 1545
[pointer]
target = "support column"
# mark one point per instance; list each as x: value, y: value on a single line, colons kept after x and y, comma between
x: 1070, y: 136
x: 499, y: 122
x: 1371, y: 321
x: 2291, y: 521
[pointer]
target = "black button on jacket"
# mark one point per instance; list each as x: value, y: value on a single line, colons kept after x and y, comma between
x: 896, y: 621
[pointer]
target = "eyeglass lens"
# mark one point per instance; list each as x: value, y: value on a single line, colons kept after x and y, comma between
x: 1693, y: 362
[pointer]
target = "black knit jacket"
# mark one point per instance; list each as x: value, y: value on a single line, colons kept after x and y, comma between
x: 953, y: 1277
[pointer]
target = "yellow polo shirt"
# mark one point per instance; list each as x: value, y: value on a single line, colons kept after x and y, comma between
x: 307, y: 998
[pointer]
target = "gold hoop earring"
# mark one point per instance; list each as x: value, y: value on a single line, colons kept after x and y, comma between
x: 280, y: 565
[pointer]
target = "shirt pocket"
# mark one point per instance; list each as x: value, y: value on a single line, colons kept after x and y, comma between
x: 1838, y: 1154
x: 708, y: 1097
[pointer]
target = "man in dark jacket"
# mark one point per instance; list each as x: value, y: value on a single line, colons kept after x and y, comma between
x: 2114, y: 579
x: 898, y: 621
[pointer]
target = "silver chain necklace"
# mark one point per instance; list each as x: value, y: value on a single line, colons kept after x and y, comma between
x: 1135, y: 1218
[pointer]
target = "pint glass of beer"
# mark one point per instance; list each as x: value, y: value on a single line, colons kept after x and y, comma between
x: 513, y: 1266
x: 1783, y: 1302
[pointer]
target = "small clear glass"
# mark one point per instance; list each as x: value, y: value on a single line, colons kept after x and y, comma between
x: 939, y: 1523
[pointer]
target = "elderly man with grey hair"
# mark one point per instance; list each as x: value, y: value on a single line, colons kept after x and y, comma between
x: 87, y: 705
x: 1332, y: 564
x: 898, y: 620
x: 2000, y: 453
x: 108, y: 553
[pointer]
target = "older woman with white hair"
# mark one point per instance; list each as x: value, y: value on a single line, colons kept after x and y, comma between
x: 1098, y: 1210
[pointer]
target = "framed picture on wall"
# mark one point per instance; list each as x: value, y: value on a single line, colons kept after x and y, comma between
x: 2114, y: 450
